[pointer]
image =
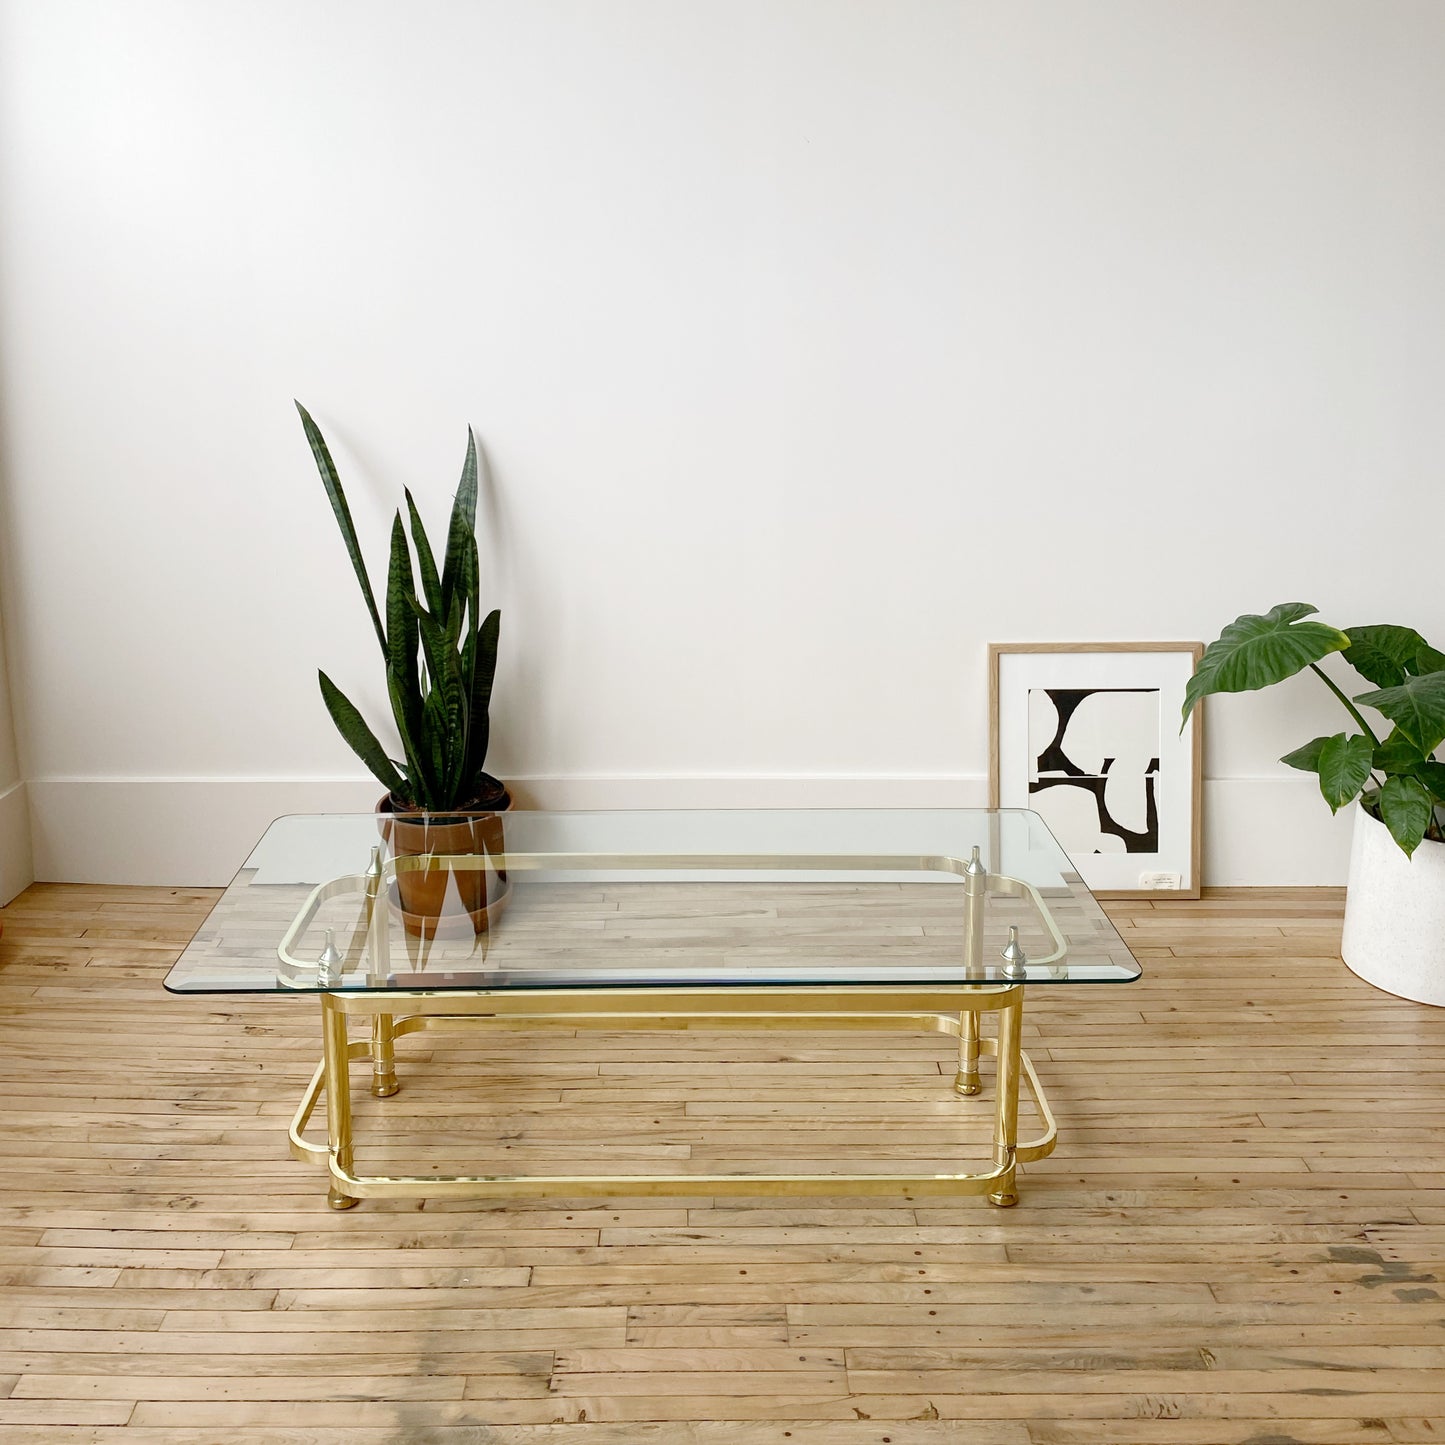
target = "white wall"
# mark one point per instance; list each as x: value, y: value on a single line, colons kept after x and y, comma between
x: 813, y: 344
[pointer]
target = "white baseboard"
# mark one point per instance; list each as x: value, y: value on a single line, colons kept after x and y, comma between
x: 186, y: 832
x: 16, y: 865
x: 196, y: 831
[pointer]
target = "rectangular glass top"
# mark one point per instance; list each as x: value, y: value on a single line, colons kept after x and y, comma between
x: 682, y: 898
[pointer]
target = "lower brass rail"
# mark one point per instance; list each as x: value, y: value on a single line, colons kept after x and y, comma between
x: 349, y: 1186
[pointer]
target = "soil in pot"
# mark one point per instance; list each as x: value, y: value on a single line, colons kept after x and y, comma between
x: 447, y: 901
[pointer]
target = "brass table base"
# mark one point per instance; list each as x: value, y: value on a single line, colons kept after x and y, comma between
x: 950, y: 1010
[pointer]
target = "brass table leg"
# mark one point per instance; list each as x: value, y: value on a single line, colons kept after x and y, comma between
x: 338, y: 1096
x: 966, y: 1081
x: 1006, y: 1109
x: 975, y: 881
x: 383, y: 1056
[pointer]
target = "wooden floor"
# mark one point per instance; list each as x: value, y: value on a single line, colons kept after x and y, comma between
x: 1240, y: 1239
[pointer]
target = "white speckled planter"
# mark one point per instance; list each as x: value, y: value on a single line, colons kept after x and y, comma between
x: 1395, y: 914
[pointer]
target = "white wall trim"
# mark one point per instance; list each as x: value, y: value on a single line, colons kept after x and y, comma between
x: 196, y: 831
x: 16, y: 871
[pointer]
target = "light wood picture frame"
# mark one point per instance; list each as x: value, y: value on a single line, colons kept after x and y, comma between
x: 1087, y: 735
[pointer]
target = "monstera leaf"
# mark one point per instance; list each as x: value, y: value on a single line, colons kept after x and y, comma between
x: 1397, y: 779
x: 1307, y: 758
x: 1254, y: 652
x: 1344, y: 768
x: 1406, y: 809
x: 1342, y: 763
x: 1386, y: 655
x: 1416, y: 707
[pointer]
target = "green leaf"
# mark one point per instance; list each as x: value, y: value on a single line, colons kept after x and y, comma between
x: 436, y: 727
x: 360, y: 738
x: 1405, y: 809
x: 1416, y: 707
x: 332, y: 482
x: 1344, y: 768
x: 1386, y: 655
x: 406, y: 713
x: 403, y: 681
x: 1307, y: 758
x: 400, y: 617
x: 463, y: 527
x: 484, y: 671
x: 472, y: 587
x: 431, y: 587
x: 1257, y: 651
x: 1397, y: 754
x: 1432, y: 774
x: 446, y: 704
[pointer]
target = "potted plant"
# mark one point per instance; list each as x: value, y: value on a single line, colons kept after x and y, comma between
x: 1395, y: 906
x: 440, y: 655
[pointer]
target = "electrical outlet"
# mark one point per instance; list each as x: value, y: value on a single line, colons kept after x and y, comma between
x: 1160, y: 880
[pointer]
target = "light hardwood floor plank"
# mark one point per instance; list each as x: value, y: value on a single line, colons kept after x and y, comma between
x: 1241, y: 1237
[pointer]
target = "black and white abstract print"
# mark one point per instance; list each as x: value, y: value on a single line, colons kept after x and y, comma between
x: 1094, y: 766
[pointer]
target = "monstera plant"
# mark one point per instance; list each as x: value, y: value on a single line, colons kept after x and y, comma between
x: 439, y: 651
x: 1397, y: 778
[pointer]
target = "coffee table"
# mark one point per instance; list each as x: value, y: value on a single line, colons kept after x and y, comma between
x: 728, y: 919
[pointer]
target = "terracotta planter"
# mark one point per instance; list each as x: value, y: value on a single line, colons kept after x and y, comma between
x: 442, y: 901
x: 1395, y: 914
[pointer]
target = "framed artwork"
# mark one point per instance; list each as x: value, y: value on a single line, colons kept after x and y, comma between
x: 1087, y: 735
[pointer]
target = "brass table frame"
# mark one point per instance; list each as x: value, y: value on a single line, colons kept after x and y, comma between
x: 950, y: 1008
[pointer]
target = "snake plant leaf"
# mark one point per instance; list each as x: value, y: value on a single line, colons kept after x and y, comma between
x: 1307, y: 758
x: 485, y: 670
x: 431, y: 587
x: 1344, y: 768
x: 362, y: 741
x: 440, y: 659
x: 403, y: 680
x: 462, y: 528
x: 1406, y: 809
x: 401, y: 627
x: 447, y: 702
x: 1256, y: 651
x: 1386, y: 655
x: 454, y: 619
x: 472, y: 587
x: 434, y: 734
x: 331, y: 480
x: 406, y: 713
x: 1416, y: 707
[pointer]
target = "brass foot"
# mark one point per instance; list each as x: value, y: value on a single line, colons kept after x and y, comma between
x: 383, y: 1086
x: 967, y: 1083
x: 337, y: 1200
x: 1004, y: 1201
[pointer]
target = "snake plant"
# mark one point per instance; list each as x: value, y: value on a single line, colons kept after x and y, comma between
x: 1396, y: 778
x: 439, y: 651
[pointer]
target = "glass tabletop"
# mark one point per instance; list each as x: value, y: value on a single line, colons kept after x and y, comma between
x: 652, y: 899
